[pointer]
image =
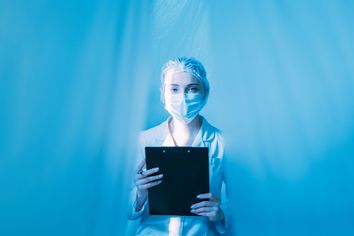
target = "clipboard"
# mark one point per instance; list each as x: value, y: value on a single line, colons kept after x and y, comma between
x: 186, y: 174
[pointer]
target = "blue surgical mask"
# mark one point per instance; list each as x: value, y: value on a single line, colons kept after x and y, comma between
x: 184, y: 106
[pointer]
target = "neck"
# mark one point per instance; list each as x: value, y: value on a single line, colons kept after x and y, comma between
x: 180, y: 127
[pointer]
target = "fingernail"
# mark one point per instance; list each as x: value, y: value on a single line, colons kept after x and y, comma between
x: 192, y: 211
x: 192, y: 206
x: 160, y: 176
x: 157, y: 168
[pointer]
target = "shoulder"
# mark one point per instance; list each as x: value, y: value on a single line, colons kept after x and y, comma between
x: 214, y: 137
x: 211, y: 133
x: 218, y: 134
x: 157, y: 133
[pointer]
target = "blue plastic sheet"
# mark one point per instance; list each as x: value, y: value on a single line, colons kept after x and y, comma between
x: 78, y: 80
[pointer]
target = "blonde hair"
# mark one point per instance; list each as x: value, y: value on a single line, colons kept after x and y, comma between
x: 186, y: 64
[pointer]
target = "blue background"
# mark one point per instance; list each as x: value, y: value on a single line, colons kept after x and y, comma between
x: 78, y: 80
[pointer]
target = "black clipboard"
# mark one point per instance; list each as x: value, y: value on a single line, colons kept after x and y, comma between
x: 186, y: 174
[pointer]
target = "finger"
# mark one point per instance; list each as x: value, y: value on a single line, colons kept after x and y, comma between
x: 150, y: 185
x: 207, y: 196
x: 139, y: 176
x: 141, y: 165
x: 207, y: 214
x: 204, y: 209
x: 204, y: 196
x: 150, y: 171
x: 204, y: 204
x: 149, y: 179
x: 146, y: 173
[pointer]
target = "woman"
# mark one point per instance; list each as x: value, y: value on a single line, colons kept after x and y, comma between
x: 184, y: 92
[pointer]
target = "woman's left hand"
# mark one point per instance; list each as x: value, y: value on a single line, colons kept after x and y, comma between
x: 209, y: 208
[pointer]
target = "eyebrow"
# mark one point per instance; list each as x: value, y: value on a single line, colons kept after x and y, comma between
x: 187, y: 84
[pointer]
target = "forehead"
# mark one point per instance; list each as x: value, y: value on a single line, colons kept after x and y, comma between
x: 180, y: 78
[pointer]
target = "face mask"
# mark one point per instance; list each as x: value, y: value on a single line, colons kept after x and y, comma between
x: 184, y: 107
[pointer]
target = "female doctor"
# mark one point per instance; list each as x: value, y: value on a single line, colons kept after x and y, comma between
x: 184, y: 92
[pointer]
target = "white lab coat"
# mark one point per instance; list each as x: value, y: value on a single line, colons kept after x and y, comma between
x: 208, y: 136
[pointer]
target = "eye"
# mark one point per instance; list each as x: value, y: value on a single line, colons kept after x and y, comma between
x: 193, y: 89
x: 174, y: 90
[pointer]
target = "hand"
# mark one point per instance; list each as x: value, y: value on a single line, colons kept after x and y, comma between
x: 144, y: 181
x: 209, y: 208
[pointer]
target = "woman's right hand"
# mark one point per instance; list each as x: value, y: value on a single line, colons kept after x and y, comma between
x: 144, y: 181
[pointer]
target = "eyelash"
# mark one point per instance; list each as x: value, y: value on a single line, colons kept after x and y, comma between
x: 192, y: 89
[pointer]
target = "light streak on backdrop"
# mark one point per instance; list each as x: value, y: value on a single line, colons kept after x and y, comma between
x: 78, y: 81
x: 71, y: 76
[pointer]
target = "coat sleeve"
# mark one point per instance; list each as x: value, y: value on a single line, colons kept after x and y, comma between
x: 224, y: 226
x: 135, y: 215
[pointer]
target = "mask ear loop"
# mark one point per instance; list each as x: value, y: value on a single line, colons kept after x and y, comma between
x: 169, y: 129
x: 173, y: 139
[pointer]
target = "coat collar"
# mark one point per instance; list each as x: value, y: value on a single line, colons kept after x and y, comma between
x: 207, y: 130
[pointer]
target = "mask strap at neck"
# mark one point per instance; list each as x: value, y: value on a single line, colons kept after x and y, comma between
x: 169, y: 129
